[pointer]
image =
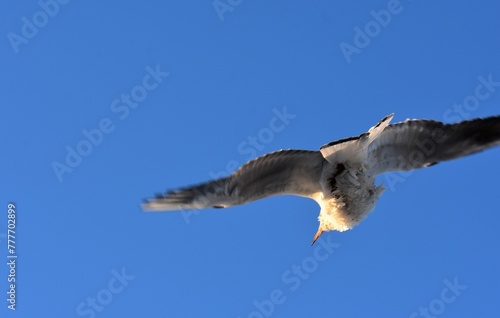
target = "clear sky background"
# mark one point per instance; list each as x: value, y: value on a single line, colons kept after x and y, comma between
x: 105, y: 104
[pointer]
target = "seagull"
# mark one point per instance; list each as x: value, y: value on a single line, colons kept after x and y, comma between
x: 340, y: 177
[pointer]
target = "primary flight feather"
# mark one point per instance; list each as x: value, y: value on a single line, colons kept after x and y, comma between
x: 340, y: 177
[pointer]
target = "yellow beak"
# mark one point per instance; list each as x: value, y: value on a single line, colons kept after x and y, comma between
x: 318, y: 234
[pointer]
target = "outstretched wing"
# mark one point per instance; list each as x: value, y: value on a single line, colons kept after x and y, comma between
x: 281, y: 172
x: 421, y: 143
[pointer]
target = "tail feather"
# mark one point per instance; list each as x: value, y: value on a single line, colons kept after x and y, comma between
x: 353, y: 148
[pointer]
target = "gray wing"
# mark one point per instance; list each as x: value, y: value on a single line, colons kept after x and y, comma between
x: 282, y: 172
x: 421, y: 143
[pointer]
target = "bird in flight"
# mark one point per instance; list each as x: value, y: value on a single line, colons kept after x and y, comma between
x: 340, y: 177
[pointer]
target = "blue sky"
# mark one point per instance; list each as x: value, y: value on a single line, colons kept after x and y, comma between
x: 105, y: 104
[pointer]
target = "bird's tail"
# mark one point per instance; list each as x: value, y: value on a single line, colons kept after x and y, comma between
x: 354, y: 148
